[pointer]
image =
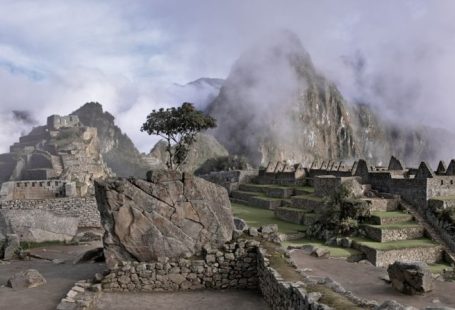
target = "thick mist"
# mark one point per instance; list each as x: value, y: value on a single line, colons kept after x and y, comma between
x: 396, y: 56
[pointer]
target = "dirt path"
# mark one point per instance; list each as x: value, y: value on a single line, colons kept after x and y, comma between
x: 201, y: 300
x: 60, y: 278
x: 364, y: 281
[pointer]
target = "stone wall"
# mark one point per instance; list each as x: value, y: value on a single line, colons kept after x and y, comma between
x: 233, y: 266
x: 440, y: 186
x: 83, y: 208
x: 242, y: 264
x: 280, y: 294
x: 39, y: 189
x: 384, y: 258
x: 399, y: 233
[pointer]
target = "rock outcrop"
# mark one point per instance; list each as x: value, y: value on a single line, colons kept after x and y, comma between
x: 26, y: 279
x: 117, y: 149
x: 168, y: 215
x: 410, y: 278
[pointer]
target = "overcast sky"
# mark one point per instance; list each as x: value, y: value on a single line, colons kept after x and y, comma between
x: 56, y: 55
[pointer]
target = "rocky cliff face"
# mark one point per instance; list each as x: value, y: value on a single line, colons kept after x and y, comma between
x: 170, y: 215
x: 117, y: 149
x: 275, y: 105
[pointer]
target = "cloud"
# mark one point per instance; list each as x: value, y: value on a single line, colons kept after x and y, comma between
x: 398, y: 56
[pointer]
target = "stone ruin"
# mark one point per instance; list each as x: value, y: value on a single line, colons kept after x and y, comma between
x: 49, y: 174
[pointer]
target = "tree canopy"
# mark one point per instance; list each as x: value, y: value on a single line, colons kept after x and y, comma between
x: 179, y: 127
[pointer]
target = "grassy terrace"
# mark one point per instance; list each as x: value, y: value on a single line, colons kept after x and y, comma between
x: 259, y: 195
x: 334, y: 250
x: 408, y: 224
x: 396, y: 245
x: 388, y: 214
x: 256, y: 217
x: 310, y: 197
x: 308, y: 189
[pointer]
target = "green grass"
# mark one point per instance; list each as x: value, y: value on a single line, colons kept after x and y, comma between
x: 396, y: 245
x: 388, y: 214
x: 310, y: 197
x: 256, y: 217
x: 439, y: 268
x: 408, y: 224
x: 334, y: 250
x: 294, y: 209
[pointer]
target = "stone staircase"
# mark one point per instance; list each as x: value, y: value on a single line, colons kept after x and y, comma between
x: 293, y: 204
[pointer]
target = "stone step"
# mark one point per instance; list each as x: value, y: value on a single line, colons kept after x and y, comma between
x: 303, y: 191
x: 394, y: 232
x: 251, y: 188
x: 384, y: 254
x: 307, y: 202
x: 389, y: 217
x: 264, y: 202
x: 268, y: 190
x: 383, y: 204
x: 249, y: 199
x: 242, y: 195
x: 296, y: 216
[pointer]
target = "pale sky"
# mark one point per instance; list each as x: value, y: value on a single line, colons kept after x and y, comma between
x: 56, y: 55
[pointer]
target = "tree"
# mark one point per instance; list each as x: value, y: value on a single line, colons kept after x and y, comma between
x: 179, y: 127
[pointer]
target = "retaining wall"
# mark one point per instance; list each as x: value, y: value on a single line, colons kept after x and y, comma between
x: 84, y: 208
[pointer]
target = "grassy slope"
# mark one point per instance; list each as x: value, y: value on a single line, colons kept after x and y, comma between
x: 257, y: 217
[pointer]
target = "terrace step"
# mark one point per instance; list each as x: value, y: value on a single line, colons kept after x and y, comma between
x: 269, y: 190
x: 307, y: 202
x: 251, y: 188
x: 394, y: 232
x: 296, y: 216
x: 391, y: 217
x: 383, y: 204
x: 253, y: 200
x: 383, y: 254
x: 243, y: 195
x: 303, y: 191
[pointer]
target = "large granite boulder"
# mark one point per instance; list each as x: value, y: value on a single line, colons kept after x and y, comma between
x: 26, y: 279
x: 38, y: 225
x: 410, y: 278
x: 11, y: 247
x: 168, y: 215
